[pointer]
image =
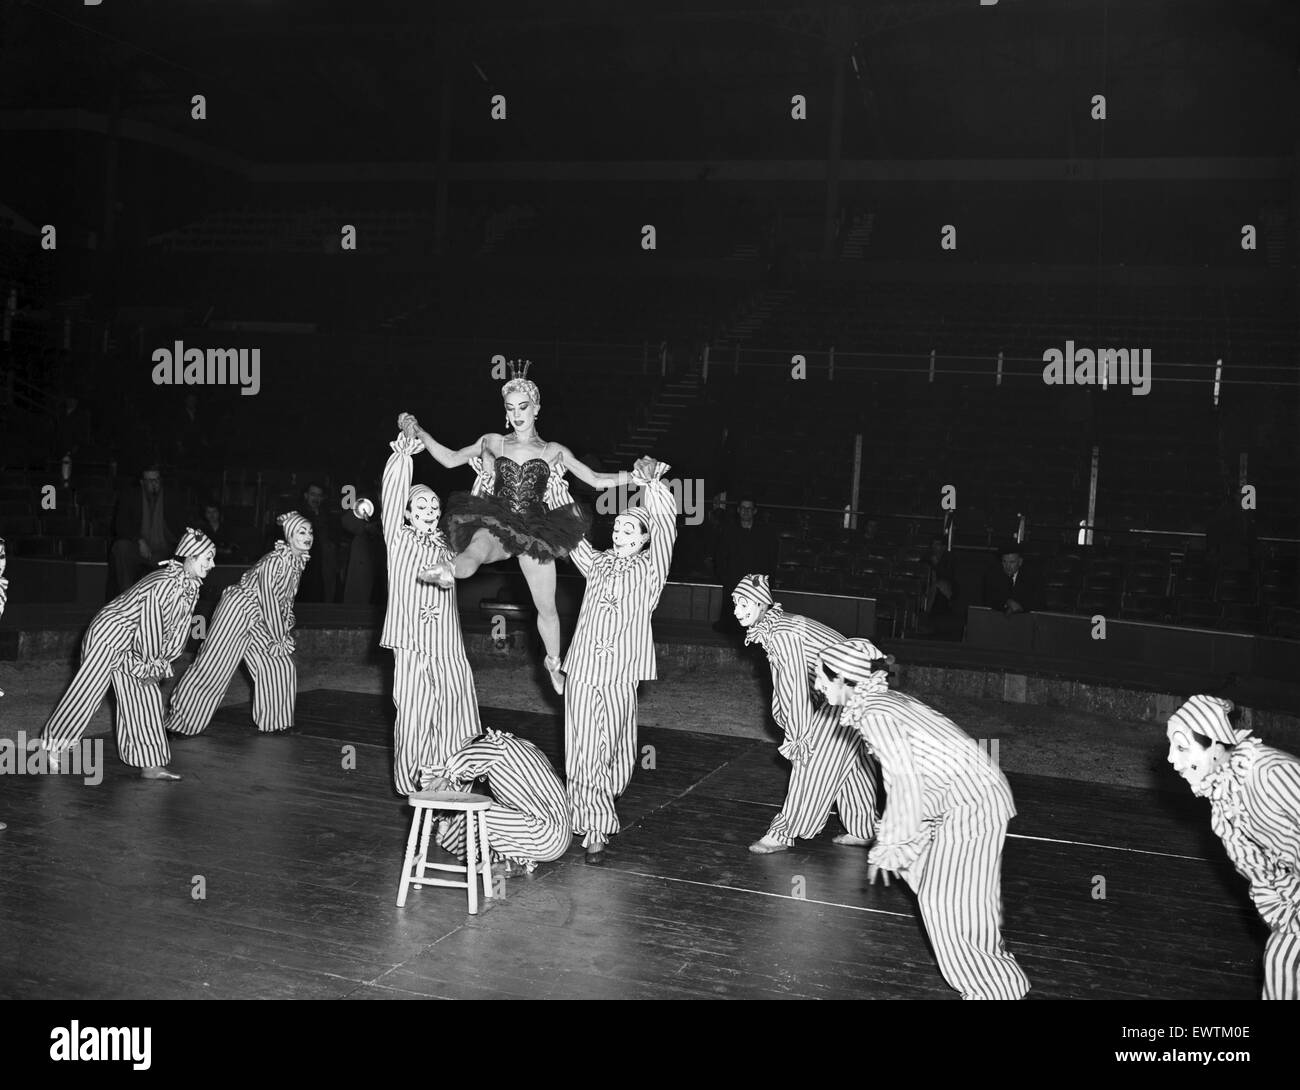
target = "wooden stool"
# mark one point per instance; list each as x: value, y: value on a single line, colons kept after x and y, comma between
x: 427, y: 806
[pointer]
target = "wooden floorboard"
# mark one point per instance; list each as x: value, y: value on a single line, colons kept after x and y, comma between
x: 300, y: 856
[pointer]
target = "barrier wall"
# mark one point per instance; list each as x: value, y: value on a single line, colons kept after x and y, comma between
x: 1163, y: 647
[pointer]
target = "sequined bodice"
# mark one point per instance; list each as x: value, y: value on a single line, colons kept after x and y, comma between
x: 522, y: 488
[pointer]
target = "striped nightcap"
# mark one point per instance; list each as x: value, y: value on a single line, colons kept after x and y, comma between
x: 853, y: 659
x: 290, y: 522
x: 193, y: 543
x: 1208, y: 717
x: 755, y: 588
x: 641, y: 515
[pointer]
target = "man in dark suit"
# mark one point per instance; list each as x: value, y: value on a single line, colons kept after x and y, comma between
x: 1014, y: 587
x: 744, y: 546
x: 142, y: 535
x: 942, y: 619
x: 321, y: 575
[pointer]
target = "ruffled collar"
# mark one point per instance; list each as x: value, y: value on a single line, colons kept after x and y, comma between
x: 855, y: 711
x: 292, y: 556
x: 431, y: 539
x: 616, y: 563
x: 175, y: 570
x: 1225, y: 785
x: 761, y: 629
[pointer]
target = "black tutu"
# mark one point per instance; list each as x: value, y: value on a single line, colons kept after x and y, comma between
x: 535, y: 531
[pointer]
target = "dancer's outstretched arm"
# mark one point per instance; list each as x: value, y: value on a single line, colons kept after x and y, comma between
x: 445, y: 456
x: 588, y: 476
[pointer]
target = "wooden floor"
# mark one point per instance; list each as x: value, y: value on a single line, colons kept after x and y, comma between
x: 299, y: 861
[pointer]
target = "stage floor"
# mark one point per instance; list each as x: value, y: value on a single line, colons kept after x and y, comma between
x: 297, y: 859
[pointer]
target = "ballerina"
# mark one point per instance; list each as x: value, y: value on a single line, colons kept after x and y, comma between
x: 518, y: 512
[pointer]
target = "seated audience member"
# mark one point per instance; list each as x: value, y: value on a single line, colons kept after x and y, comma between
x: 364, y: 573
x: 942, y: 618
x: 142, y: 537
x: 1013, y: 587
x: 318, y: 581
x: 1231, y: 540
x: 212, y: 526
x: 744, y: 545
x: 72, y: 429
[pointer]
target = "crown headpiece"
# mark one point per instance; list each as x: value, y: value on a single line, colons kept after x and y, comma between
x: 521, y: 383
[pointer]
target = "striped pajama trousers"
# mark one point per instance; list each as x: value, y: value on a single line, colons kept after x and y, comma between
x: 1282, y: 966
x: 141, y: 739
x: 230, y: 642
x: 599, y: 752
x: 839, y: 771
x: 437, y: 713
x: 958, y: 884
x: 513, y: 834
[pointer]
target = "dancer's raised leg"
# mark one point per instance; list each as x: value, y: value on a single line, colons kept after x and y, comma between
x: 483, y: 548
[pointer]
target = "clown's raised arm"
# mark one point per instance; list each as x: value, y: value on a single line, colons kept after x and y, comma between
x: 662, y: 508
x: 397, y: 484
x: 558, y: 495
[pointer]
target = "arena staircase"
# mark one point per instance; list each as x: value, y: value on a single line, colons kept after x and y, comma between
x: 666, y: 413
x: 859, y: 237
x: 762, y: 306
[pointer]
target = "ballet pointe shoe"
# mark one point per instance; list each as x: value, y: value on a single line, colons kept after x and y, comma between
x: 767, y: 846
x: 595, y: 853
x: 553, y: 668
x: 441, y: 574
x: 158, y: 772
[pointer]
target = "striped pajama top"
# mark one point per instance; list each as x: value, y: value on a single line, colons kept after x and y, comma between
x: 933, y: 772
x: 1255, y: 810
x: 613, y: 640
x: 792, y: 644
x: 268, y: 589
x: 149, y: 623
x: 517, y: 772
x: 421, y: 616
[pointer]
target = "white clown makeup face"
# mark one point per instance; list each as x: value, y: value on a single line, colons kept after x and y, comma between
x: 628, y: 537
x: 302, y: 537
x: 836, y: 691
x: 1190, y: 760
x: 197, y: 567
x: 747, y: 610
x: 424, y: 512
x: 521, y: 413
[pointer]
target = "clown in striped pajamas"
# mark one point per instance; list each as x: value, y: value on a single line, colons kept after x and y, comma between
x: 1254, y: 793
x: 529, y: 820
x: 433, y: 688
x: 130, y: 645
x: 612, y: 651
x: 945, y: 821
x: 828, y: 761
x: 252, y: 624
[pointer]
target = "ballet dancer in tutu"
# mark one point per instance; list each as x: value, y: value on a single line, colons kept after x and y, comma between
x: 514, y: 509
